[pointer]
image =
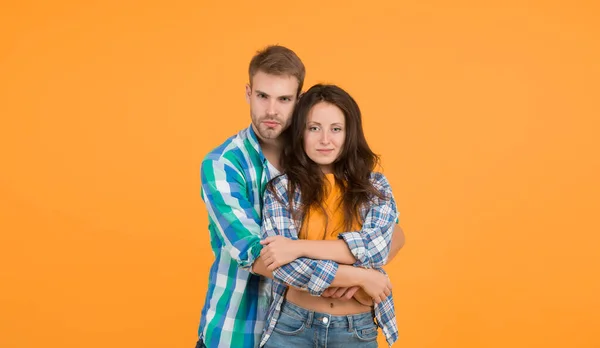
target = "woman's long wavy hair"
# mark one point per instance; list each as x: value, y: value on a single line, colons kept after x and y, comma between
x: 352, y: 169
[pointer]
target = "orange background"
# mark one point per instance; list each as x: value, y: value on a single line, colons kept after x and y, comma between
x: 486, y: 117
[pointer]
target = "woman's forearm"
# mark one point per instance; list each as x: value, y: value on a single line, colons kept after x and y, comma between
x: 334, y: 250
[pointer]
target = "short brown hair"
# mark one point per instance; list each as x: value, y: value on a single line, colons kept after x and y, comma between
x: 277, y: 60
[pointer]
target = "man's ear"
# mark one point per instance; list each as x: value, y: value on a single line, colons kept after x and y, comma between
x: 248, y: 93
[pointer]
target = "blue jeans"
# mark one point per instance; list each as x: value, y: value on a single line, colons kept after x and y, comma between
x: 299, y: 327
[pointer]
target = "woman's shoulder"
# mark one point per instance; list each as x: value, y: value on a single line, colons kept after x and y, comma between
x: 380, y: 183
x: 378, y: 178
x: 280, y: 180
x: 279, y: 186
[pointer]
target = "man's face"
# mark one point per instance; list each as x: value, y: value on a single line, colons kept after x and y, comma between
x: 272, y: 99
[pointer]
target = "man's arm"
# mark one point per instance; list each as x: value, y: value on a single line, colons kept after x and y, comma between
x: 237, y: 225
x: 259, y: 267
x: 397, y: 243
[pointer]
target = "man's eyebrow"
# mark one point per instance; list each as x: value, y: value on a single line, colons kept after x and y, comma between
x: 258, y: 91
x: 261, y: 92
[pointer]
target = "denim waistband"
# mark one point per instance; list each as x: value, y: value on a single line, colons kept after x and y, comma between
x: 323, y: 319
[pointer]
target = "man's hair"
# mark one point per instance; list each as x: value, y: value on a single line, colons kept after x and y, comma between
x: 278, y: 60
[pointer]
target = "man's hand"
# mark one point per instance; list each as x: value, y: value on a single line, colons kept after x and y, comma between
x: 278, y: 251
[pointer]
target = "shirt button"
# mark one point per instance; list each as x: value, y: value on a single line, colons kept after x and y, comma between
x: 325, y: 320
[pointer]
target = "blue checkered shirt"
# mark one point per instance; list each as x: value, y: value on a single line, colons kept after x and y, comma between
x: 370, y: 246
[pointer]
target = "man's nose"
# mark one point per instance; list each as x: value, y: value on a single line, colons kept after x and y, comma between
x: 271, y: 108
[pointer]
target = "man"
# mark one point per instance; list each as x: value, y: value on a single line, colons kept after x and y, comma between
x: 234, y: 177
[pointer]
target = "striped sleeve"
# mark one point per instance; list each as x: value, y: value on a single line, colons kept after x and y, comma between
x: 236, y: 221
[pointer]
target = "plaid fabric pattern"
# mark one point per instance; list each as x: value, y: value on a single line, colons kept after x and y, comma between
x: 233, y: 178
x: 370, y: 246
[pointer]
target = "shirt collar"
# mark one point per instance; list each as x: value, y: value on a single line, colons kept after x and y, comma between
x: 253, y: 139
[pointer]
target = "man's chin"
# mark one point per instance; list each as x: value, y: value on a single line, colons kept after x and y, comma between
x: 270, y: 133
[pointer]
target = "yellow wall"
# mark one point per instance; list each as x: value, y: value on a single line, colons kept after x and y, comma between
x: 485, y: 114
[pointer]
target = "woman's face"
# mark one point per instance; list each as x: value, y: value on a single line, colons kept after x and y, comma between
x: 324, y: 135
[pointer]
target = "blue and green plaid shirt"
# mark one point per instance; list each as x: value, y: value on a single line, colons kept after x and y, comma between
x: 370, y: 246
x: 234, y: 177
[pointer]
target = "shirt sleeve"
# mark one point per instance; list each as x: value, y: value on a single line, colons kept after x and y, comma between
x: 371, y: 245
x: 312, y: 275
x: 235, y: 220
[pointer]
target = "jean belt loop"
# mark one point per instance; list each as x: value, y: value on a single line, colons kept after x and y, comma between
x: 309, y: 319
x: 350, y: 323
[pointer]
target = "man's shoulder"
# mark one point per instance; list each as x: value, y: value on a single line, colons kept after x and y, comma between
x: 235, y: 151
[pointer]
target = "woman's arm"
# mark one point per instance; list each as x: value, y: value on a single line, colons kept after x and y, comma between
x: 284, y: 250
x: 372, y: 246
x: 312, y: 275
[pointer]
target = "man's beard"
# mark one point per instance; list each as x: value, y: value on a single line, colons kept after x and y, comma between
x: 267, y: 132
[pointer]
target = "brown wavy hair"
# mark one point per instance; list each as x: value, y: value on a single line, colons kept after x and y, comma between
x: 352, y: 168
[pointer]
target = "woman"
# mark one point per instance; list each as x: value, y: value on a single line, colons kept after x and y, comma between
x: 338, y: 216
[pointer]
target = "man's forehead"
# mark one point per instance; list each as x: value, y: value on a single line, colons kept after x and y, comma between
x: 275, y: 85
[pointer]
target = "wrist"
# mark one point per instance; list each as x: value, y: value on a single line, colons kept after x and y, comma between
x: 362, y: 276
x: 299, y: 248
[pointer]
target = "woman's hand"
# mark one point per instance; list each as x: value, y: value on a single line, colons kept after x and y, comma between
x: 341, y: 293
x: 355, y: 292
x: 376, y: 284
x: 363, y: 298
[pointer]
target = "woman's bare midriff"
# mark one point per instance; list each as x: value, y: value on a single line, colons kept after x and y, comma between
x: 325, y: 305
